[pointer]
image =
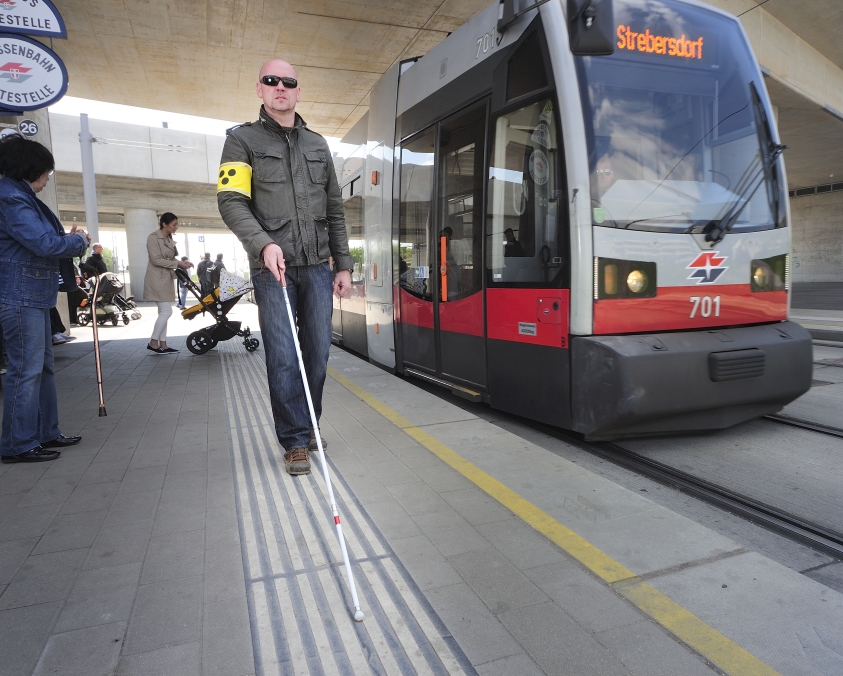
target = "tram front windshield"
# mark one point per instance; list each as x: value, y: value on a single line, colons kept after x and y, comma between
x: 677, y: 138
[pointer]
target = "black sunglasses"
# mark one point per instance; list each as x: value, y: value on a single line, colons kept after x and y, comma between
x: 273, y: 80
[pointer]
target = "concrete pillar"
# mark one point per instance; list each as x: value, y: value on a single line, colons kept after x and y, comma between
x: 139, y: 224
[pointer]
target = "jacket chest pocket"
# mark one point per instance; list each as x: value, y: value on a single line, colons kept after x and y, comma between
x: 317, y: 167
x: 36, y: 284
x: 268, y: 166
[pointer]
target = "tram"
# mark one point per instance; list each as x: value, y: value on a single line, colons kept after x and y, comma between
x: 577, y: 212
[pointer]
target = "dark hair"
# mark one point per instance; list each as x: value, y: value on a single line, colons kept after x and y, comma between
x: 166, y: 218
x: 23, y: 159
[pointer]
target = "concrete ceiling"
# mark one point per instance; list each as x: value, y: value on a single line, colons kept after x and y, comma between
x: 202, y: 57
x: 813, y: 135
x: 818, y: 22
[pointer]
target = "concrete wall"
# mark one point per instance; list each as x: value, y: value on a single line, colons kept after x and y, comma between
x: 817, y: 254
x: 136, y: 151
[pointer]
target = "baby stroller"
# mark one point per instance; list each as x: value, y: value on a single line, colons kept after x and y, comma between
x: 127, y: 304
x: 107, y: 309
x: 218, y: 303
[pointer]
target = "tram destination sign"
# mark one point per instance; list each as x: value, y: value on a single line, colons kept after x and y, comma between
x: 31, y: 17
x: 31, y: 76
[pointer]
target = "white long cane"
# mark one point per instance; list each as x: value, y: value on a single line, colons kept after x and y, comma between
x: 358, y: 614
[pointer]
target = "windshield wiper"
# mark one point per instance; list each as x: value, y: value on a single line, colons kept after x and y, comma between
x: 656, y: 218
x: 769, y: 151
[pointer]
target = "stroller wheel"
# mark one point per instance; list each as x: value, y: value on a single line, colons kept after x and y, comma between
x: 251, y: 344
x: 199, y: 342
x: 83, y: 319
x: 114, y: 320
x: 125, y: 319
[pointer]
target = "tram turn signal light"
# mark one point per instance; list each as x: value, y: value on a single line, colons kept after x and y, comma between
x: 770, y: 274
x: 624, y: 279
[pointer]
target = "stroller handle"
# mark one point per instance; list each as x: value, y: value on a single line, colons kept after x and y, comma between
x: 181, y: 273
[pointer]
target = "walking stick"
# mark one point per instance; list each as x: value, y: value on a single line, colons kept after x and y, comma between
x: 103, y: 412
x: 358, y: 614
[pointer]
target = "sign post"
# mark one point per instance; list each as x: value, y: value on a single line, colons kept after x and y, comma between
x: 89, y: 182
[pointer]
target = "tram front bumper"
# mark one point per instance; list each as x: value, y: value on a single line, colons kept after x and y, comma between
x: 663, y: 383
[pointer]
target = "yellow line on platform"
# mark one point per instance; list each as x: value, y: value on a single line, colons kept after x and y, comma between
x: 686, y: 626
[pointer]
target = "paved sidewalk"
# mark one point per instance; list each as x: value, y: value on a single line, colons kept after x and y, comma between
x: 171, y: 542
x: 125, y: 551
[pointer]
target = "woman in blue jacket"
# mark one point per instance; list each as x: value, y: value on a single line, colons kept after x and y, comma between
x: 32, y: 240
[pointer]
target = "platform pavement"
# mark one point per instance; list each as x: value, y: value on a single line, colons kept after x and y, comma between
x: 819, y: 308
x: 131, y: 553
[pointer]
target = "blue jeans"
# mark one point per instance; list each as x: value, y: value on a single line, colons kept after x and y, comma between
x: 30, y: 403
x: 309, y: 288
x: 182, y: 296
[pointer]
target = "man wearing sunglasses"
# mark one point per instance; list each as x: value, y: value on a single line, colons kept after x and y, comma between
x: 278, y: 192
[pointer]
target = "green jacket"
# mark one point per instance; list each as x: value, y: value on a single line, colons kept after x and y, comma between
x: 279, y: 185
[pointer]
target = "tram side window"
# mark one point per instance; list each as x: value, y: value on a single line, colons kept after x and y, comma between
x: 524, y: 243
x: 415, y: 215
x: 353, y: 205
x: 526, y: 72
x: 461, y: 202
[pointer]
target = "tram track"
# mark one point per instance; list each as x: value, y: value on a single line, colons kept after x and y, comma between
x: 806, y: 425
x: 793, y: 527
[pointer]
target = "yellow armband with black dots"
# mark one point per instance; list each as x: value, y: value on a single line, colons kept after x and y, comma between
x: 235, y: 177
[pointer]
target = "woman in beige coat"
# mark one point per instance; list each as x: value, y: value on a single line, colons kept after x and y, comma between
x: 160, y: 273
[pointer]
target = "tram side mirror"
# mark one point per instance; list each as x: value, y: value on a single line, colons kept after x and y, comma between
x: 591, y: 27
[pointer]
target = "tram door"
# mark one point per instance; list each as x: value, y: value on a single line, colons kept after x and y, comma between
x: 461, y: 335
x: 440, y: 228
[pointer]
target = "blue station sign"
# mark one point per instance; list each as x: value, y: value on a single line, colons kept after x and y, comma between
x: 31, y: 76
x: 31, y: 17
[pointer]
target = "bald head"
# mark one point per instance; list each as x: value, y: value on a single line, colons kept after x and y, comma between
x: 277, y: 67
x: 279, y: 101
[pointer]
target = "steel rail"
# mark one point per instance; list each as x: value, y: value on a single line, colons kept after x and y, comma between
x: 806, y: 425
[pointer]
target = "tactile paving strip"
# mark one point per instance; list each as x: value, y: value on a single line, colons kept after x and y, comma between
x: 299, y: 604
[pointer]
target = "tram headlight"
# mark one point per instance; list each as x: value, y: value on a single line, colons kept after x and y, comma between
x: 611, y: 273
x: 761, y: 276
x: 769, y: 274
x: 637, y: 281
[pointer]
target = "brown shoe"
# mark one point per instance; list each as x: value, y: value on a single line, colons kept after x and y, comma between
x: 297, y: 461
x: 312, y: 446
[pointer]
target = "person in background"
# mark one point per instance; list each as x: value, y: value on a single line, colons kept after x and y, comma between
x: 213, y: 273
x: 182, y: 290
x: 33, y: 247
x: 219, y: 265
x: 88, y: 271
x: 512, y: 247
x: 158, y: 283
x: 95, y: 260
x: 75, y: 297
x: 58, y: 328
x: 201, y: 270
